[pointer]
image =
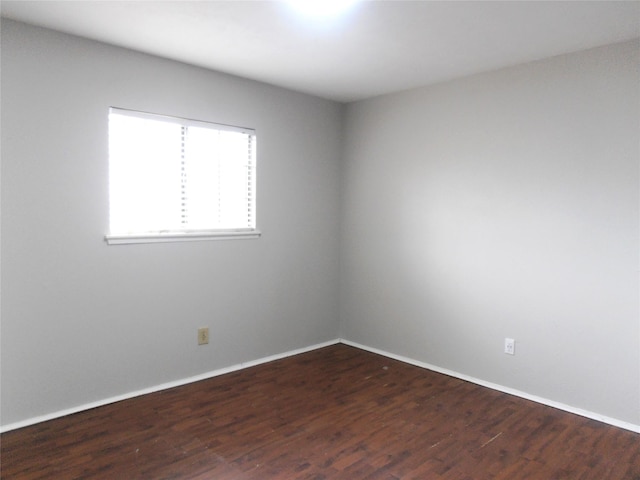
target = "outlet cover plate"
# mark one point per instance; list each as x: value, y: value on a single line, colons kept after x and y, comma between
x: 509, y: 346
x: 203, y: 336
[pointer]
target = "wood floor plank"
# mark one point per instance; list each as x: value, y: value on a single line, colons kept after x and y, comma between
x: 334, y: 413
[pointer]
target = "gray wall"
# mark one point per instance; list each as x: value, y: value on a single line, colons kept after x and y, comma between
x: 83, y: 321
x: 503, y: 205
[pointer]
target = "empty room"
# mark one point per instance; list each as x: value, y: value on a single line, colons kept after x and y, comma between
x: 320, y: 240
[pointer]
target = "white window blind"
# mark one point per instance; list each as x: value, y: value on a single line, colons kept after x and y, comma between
x: 172, y: 178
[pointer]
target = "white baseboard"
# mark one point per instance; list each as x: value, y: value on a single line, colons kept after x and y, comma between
x: 567, y: 408
x: 163, y: 386
x: 544, y: 401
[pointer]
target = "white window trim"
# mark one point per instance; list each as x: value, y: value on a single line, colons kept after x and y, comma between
x: 184, y: 235
x: 196, y: 236
x: 180, y: 120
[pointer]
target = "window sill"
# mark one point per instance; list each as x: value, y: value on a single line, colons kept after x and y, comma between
x: 182, y: 236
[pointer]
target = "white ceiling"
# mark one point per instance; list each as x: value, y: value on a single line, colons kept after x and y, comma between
x: 377, y: 47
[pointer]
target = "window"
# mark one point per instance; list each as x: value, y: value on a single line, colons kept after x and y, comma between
x: 174, y: 179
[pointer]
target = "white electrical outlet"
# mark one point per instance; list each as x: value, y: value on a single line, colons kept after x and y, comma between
x: 510, y: 346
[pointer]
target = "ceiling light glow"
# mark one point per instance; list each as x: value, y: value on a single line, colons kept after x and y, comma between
x: 321, y: 8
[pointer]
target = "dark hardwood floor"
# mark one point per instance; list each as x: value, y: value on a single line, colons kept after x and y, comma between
x: 334, y: 413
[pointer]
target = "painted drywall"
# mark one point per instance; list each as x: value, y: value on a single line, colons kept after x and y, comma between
x: 503, y: 205
x: 83, y: 321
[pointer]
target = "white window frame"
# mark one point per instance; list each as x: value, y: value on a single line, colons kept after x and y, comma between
x: 189, y: 235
